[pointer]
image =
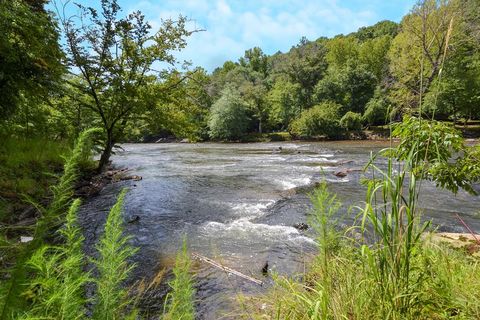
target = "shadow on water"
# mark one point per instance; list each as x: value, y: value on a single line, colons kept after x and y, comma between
x: 237, y: 204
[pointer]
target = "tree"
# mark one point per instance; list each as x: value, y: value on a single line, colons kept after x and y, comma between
x: 114, y: 57
x: 379, y: 29
x: 175, y: 106
x: 350, y: 87
x: 320, y: 120
x: 254, y: 66
x: 377, y: 109
x: 30, y: 56
x: 305, y: 65
x: 228, y: 116
x: 373, y: 54
x: 418, y: 52
x: 284, y: 103
x: 342, y: 51
x: 255, y: 60
x: 351, y: 121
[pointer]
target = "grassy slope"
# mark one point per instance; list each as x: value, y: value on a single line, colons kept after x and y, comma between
x: 26, y: 167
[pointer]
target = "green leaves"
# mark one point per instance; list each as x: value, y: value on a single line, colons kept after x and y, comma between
x: 179, y: 303
x: 30, y: 55
x: 114, y: 57
x: 321, y: 120
x: 57, y: 289
x: 111, y: 298
x: 228, y: 117
x: 435, y: 145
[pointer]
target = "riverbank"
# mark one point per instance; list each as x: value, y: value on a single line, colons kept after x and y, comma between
x: 377, y: 133
x: 28, y: 170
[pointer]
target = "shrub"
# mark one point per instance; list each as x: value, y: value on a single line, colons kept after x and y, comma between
x: 376, y: 111
x: 228, y: 116
x: 351, y: 121
x: 321, y: 120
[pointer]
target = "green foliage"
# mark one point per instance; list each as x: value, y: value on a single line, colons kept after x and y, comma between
x: 377, y: 110
x: 391, y: 213
x: 304, y: 65
x: 321, y: 120
x: 284, y: 103
x: 419, y: 52
x: 52, y: 217
x: 351, y: 121
x: 435, y: 143
x: 342, y: 51
x: 23, y: 160
x: 255, y: 60
x: 179, y: 106
x: 352, y: 87
x: 324, y: 219
x: 373, y: 54
x: 114, y: 57
x: 379, y: 29
x: 385, y: 268
x: 111, y: 298
x: 57, y: 289
x: 30, y: 54
x: 228, y: 117
x: 180, y: 301
x: 448, y: 292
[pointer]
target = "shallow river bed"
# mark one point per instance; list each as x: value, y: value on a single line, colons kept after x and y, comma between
x: 237, y: 203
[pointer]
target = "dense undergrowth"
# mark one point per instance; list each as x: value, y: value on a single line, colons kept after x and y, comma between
x: 26, y: 168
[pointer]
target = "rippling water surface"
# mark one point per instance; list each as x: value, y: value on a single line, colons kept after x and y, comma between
x: 237, y: 203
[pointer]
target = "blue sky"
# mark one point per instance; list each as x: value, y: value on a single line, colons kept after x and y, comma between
x: 235, y: 26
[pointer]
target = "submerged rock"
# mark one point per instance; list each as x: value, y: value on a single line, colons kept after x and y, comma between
x: 265, y: 269
x: 340, y: 174
x: 301, y: 226
x: 134, y: 219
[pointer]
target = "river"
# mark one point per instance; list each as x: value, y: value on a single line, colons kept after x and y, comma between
x: 237, y: 204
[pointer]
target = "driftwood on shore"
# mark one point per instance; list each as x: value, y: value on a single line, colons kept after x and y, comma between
x: 224, y: 268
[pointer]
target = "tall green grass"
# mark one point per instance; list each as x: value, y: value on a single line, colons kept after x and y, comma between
x: 11, y: 299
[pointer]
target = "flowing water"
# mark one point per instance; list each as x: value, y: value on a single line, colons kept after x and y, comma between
x: 237, y: 204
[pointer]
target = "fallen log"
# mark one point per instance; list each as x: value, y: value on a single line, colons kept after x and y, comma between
x: 226, y: 269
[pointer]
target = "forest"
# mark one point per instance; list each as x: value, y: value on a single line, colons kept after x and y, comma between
x: 75, y: 88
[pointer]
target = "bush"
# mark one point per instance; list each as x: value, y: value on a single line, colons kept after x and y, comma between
x: 228, y: 116
x: 321, y: 120
x: 351, y: 121
x: 376, y: 111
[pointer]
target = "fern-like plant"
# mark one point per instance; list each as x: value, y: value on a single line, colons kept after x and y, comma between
x: 111, y: 299
x: 56, y: 290
x: 180, y: 301
x: 11, y: 301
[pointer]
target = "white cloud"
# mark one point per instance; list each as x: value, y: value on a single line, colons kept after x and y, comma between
x: 234, y: 26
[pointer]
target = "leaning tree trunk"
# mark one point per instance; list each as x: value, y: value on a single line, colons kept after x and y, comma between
x: 107, y: 151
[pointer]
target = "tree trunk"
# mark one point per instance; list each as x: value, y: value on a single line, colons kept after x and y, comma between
x: 107, y: 152
x: 260, y: 126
